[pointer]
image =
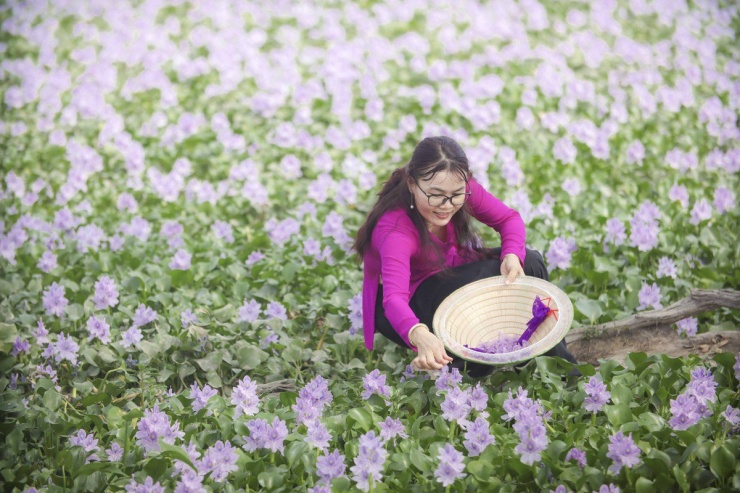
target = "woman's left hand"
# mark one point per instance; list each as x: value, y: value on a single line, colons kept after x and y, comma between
x: 511, y: 268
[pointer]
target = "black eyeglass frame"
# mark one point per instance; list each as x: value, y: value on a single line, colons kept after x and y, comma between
x: 446, y: 197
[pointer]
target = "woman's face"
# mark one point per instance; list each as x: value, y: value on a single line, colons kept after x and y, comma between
x: 443, y: 183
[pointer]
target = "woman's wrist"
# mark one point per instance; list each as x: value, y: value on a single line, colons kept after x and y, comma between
x: 414, y: 331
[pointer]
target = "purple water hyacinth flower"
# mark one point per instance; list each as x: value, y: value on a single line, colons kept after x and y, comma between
x: 155, y: 425
x: 701, y: 212
x: 87, y: 442
x: 115, y: 452
x: 54, y: 300
x: 391, y: 428
x: 533, y: 439
x: 257, y: 434
x: 615, y: 232
x: 181, y: 260
x: 311, y: 400
x: 559, y: 489
x: 330, y: 466
x: 106, y: 293
x: 635, y: 152
x: 450, y: 467
x: 597, y: 395
x: 201, y: 397
x: 732, y: 416
x: 688, y: 326
x: 610, y: 488
x: 702, y: 384
x: 219, y: 460
x: 188, y: 318
x: 98, y: 327
x: 456, y: 405
x: 666, y: 268
x: 275, y: 310
x: 374, y: 383
x: 680, y: 194
x: 686, y: 411
x: 249, y: 312
x: 20, y: 346
x: 724, y: 200
x: 645, y: 228
x: 131, y: 337
x: 41, y: 333
x: 572, y: 187
x: 115, y: 243
x: 190, y: 482
x: 578, y: 455
x: 447, y: 379
x: 623, y: 451
x: 148, y: 486
x: 478, y: 437
x: 317, y: 435
x: 369, y: 462
x: 319, y: 488
x: 649, y: 296
x: 223, y: 231
x: 66, y: 349
x: 126, y: 201
x: 275, y: 435
x: 143, y: 315
x: 559, y: 253
x: 47, y: 262
x: 478, y: 398
x: 244, y: 397
x: 564, y: 150
x: 736, y: 366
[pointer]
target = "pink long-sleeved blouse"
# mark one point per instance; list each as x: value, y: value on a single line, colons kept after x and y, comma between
x: 395, y: 253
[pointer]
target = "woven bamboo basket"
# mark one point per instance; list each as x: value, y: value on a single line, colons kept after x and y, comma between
x: 489, y: 309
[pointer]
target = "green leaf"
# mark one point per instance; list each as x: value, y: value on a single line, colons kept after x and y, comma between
x: 651, y: 421
x: 173, y: 452
x: 294, y: 451
x: 52, y: 400
x: 75, y: 311
x: 618, y: 414
x: 270, y: 479
x: 644, y: 485
x: 362, y: 417
x: 8, y: 332
x: 722, y: 463
x: 250, y: 357
x: 225, y: 313
x: 420, y: 460
x: 590, y: 308
x: 681, y: 479
x: 482, y: 471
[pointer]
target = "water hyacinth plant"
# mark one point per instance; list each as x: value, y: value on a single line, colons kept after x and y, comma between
x: 181, y: 182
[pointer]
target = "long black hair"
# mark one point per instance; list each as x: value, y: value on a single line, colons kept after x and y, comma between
x: 431, y: 156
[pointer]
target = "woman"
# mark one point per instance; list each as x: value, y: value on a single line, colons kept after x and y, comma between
x: 418, y: 246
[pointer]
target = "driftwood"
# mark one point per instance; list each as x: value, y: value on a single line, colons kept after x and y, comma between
x: 285, y: 385
x: 616, y: 339
x: 699, y: 301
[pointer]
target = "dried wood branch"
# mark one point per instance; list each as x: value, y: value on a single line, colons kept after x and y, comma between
x: 699, y: 301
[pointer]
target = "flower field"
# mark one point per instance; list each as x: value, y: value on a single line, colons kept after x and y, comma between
x: 181, y: 183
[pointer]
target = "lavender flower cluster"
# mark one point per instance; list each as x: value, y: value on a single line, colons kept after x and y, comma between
x: 529, y: 422
x: 693, y: 404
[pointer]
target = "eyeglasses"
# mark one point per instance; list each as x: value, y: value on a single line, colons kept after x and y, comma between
x: 438, y: 200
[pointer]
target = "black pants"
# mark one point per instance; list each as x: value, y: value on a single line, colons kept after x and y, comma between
x: 433, y: 290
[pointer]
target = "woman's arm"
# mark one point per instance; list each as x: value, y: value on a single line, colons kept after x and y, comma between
x: 506, y: 221
x: 396, y: 247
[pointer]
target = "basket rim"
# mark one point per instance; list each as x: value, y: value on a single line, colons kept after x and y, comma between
x: 556, y: 333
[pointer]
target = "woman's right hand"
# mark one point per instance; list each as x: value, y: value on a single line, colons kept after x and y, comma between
x: 432, y: 354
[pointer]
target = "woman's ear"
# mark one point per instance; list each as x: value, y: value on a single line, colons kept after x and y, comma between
x: 410, y: 184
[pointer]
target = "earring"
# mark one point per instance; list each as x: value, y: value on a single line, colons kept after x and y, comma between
x: 412, y: 199
x: 411, y: 206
